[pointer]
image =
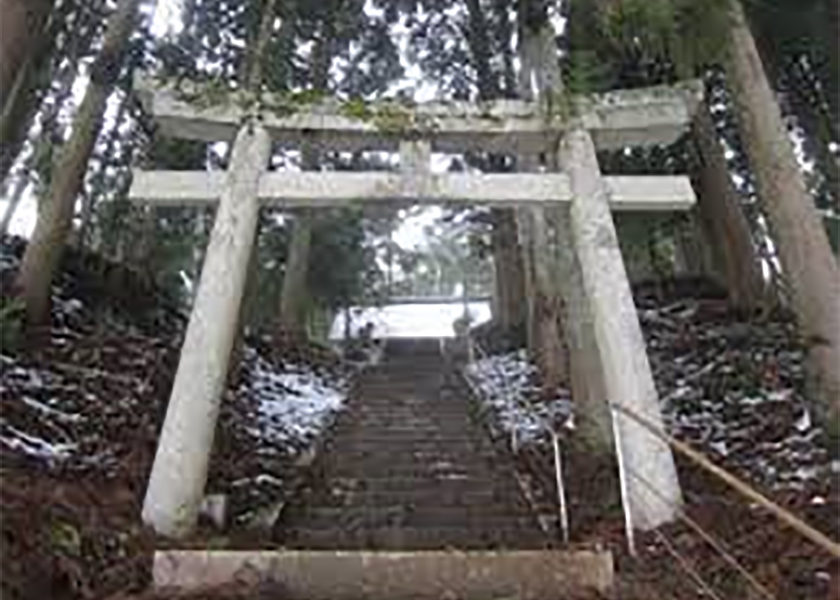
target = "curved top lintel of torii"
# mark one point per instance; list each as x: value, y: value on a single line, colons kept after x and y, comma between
x: 620, y: 118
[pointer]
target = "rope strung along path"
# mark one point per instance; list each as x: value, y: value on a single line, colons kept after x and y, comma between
x: 743, y: 488
x: 686, y: 565
x: 716, y: 544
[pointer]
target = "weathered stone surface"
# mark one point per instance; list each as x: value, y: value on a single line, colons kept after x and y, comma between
x: 652, y: 489
x: 594, y: 427
x: 627, y: 193
x: 179, y: 472
x: 657, y: 115
x: 332, y: 575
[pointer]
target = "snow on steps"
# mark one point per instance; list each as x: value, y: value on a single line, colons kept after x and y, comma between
x: 346, y: 575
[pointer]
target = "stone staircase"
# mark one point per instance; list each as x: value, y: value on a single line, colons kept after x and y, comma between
x: 406, y: 468
x: 408, y: 499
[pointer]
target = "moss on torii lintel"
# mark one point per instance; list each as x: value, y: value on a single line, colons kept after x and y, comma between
x: 400, y: 118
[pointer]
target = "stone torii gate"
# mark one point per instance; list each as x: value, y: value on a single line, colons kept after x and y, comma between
x: 609, y: 121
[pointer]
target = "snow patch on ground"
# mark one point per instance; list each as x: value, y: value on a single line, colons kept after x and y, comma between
x: 731, y: 389
x: 507, y: 383
x: 275, y: 415
x: 291, y: 406
x: 734, y: 389
x: 34, y: 446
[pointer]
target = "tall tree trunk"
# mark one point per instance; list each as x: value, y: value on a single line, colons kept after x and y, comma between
x: 509, y: 270
x: 795, y: 223
x: 507, y: 255
x: 294, y: 298
x: 55, y: 216
x: 568, y: 305
x: 546, y: 340
x: 252, y: 75
x: 13, y: 125
x: 21, y: 26
x: 504, y: 31
x: 481, y: 50
x: 723, y: 220
x: 20, y: 96
x: 294, y: 295
x: 99, y: 180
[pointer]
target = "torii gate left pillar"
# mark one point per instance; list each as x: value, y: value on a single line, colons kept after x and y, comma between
x: 179, y: 473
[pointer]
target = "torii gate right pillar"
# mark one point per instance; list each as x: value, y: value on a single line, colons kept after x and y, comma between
x: 650, y: 484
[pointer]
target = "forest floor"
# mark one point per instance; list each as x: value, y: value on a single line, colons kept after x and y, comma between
x: 81, y: 411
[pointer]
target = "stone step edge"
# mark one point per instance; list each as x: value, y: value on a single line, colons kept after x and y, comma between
x: 346, y: 575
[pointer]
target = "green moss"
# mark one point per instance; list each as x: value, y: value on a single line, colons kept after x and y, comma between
x: 65, y: 538
x: 284, y: 105
x: 389, y: 117
x: 358, y: 109
x: 392, y: 117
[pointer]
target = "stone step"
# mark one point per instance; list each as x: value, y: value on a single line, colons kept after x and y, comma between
x: 427, y: 452
x: 389, y: 409
x: 399, y: 392
x: 413, y: 538
x: 313, y: 575
x: 400, y: 417
x: 403, y: 440
x: 387, y: 403
x: 394, y: 416
x: 397, y: 373
x: 417, y: 496
x: 420, y: 431
x: 442, y: 483
x: 405, y: 452
x: 411, y: 471
x: 387, y: 413
x: 473, y: 517
x: 394, y: 366
x: 348, y: 435
x: 490, y: 509
x: 407, y: 465
x: 397, y: 447
x: 411, y: 385
x: 408, y: 457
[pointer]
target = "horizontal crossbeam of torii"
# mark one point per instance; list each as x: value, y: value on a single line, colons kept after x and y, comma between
x: 614, y: 120
x: 639, y: 117
x: 312, y: 189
